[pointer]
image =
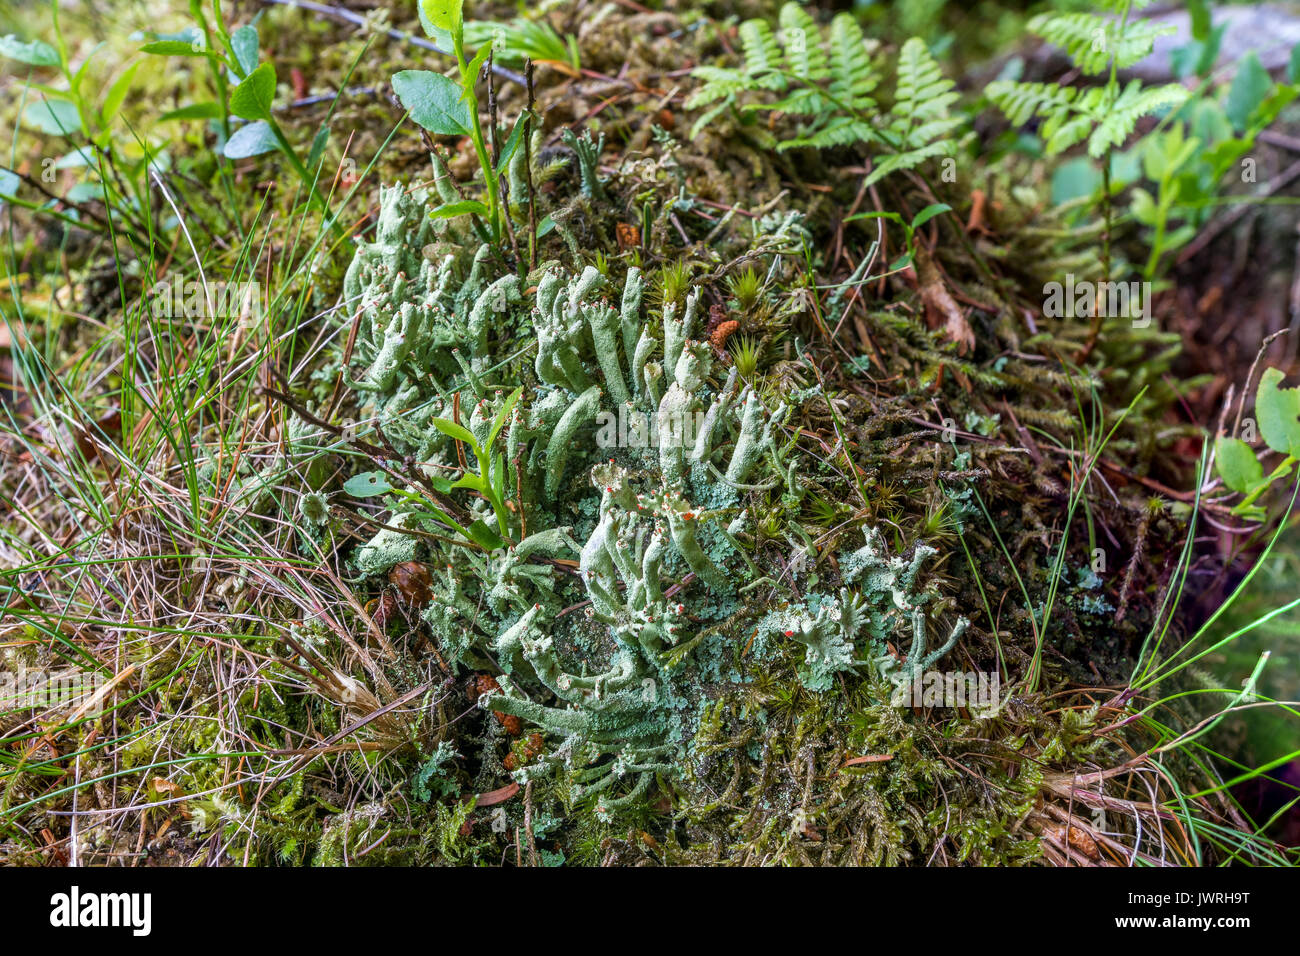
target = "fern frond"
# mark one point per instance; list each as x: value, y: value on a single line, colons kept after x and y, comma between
x: 919, y: 122
x: 808, y: 101
x: 1092, y: 41
x: 908, y: 160
x: 839, y: 131
x: 801, y: 40
x: 1062, y: 130
x: 923, y: 90
x: 719, y: 82
x: 764, y: 61
x: 1120, y: 118
x: 1070, y: 115
x: 763, y: 68
x: 853, y: 78
x: 828, y: 80
x: 1023, y: 101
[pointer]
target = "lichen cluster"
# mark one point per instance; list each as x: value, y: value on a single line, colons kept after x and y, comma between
x: 615, y: 659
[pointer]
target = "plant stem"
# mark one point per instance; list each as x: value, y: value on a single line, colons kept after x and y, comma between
x: 476, y: 133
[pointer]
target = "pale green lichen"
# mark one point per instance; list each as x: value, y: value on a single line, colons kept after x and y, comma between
x: 861, y: 620
x: 614, y: 680
x: 387, y: 548
x: 587, y: 152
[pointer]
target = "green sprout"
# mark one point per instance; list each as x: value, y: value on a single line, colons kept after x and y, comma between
x: 1277, y: 410
x: 446, y: 107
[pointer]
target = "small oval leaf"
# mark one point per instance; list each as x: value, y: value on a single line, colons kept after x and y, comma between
x: 1278, y: 411
x: 1237, y: 464
x: 251, y: 140
x: 35, y: 53
x: 368, y: 484
x: 252, y: 98
x: 433, y: 101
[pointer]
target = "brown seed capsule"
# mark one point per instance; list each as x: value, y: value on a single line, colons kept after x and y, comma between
x: 629, y: 236
x: 480, y: 684
x: 384, y: 609
x: 512, y: 724
x: 532, y: 746
x: 525, y: 752
x: 413, y: 582
x: 718, y: 337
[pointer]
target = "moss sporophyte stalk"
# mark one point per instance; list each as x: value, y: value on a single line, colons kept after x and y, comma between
x: 616, y: 605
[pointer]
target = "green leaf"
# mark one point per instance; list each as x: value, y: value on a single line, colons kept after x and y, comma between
x: 441, y: 516
x: 318, y: 144
x: 84, y: 192
x: 1074, y: 179
x: 1278, y: 412
x: 458, y: 432
x: 1277, y: 100
x: 1293, y: 65
x: 1249, y: 87
x: 244, y: 42
x: 1143, y: 207
x: 34, y: 53
x: 368, y: 484
x: 173, y: 48
x: 511, y: 145
x: 8, y: 183
x: 902, y: 262
x: 482, y: 535
x: 928, y: 213
x: 442, y: 14
x: 463, y: 207
x: 194, y: 111
x: 891, y: 216
x: 58, y: 117
x: 252, y: 98
x: 501, y: 417
x: 434, y: 101
x: 1237, y: 464
x: 470, y: 75
x: 76, y: 159
x: 117, y: 93
x: 251, y: 140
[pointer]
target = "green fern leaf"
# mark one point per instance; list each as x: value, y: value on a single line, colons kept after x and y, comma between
x: 764, y: 61
x: 809, y: 101
x: 1023, y: 101
x: 802, y: 43
x: 827, y: 80
x: 920, y: 112
x: 853, y: 78
x: 719, y: 83
x: 1092, y: 42
x: 840, y: 131
x: 1120, y: 118
x: 908, y: 160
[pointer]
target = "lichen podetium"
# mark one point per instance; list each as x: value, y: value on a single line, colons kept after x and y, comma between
x: 615, y: 662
